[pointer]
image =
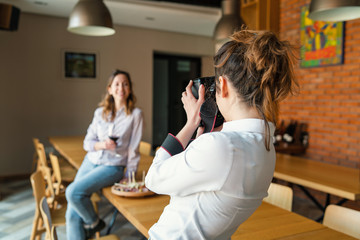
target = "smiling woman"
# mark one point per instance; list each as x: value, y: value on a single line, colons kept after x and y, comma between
x: 112, y: 142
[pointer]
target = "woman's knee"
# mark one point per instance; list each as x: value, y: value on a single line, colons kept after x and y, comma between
x: 73, y: 194
x: 69, y: 192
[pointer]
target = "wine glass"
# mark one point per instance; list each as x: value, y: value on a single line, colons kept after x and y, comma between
x: 114, y: 138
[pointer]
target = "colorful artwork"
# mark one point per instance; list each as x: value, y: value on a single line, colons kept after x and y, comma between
x: 322, y: 42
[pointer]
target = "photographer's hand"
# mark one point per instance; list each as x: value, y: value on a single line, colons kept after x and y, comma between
x: 192, y: 109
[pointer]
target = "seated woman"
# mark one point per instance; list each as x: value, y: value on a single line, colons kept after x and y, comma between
x: 220, y: 179
x: 106, y: 159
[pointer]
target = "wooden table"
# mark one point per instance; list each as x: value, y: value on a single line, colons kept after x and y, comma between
x: 70, y: 147
x: 331, y: 179
x: 268, y: 222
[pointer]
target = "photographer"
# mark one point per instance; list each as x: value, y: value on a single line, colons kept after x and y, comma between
x: 220, y: 179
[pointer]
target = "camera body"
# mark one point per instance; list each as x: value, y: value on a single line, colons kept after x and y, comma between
x: 209, y: 84
x: 209, y: 111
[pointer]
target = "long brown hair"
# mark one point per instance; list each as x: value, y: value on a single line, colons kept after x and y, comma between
x: 108, y: 101
x: 260, y: 67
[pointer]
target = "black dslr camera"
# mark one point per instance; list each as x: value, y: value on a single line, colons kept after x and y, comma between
x: 209, y: 111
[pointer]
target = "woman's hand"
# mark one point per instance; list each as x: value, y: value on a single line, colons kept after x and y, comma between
x: 192, y: 105
x: 192, y: 109
x: 108, y: 144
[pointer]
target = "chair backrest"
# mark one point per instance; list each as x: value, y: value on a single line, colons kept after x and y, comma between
x: 41, y: 155
x: 280, y: 195
x: 343, y: 219
x: 57, y: 181
x: 145, y: 148
x: 46, y: 215
x: 144, y: 165
x: 36, y: 141
x: 35, y: 156
x: 49, y: 186
x: 38, y: 186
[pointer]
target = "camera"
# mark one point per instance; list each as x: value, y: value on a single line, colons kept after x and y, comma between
x: 209, y: 84
x: 209, y: 111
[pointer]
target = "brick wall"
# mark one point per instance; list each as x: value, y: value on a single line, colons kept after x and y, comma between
x: 329, y: 99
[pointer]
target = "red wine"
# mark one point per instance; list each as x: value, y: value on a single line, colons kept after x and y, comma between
x: 114, y: 138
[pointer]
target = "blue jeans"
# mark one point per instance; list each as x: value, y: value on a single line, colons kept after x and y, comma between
x: 89, y: 179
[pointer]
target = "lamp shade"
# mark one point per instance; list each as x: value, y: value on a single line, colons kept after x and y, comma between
x: 91, y: 18
x: 334, y: 10
x: 228, y: 23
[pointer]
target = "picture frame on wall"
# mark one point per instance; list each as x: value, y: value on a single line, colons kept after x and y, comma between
x: 80, y: 64
x: 322, y: 43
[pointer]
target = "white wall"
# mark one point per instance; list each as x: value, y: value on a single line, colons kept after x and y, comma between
x: 35, y: 101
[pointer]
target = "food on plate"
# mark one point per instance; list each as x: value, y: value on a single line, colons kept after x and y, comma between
x: 131, y: 187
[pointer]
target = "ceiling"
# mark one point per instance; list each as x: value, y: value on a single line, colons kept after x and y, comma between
x: 197, y: 17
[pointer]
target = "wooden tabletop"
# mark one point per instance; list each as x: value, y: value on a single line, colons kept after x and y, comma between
x: 268, y: 221
x: 329, y: 178
x: 70, y: 147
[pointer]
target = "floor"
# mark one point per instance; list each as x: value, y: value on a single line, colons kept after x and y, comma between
x: 17, y: 211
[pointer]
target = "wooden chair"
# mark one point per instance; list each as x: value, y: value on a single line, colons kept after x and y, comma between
x: 58, y: 217
x: 59, y: 187
x: 145, y: 148
x: 35, y: 156
x: 67, y: 172
x: 144, y: 165
x: 42, y: 161
x: 343, y: 219
x: 55, y: 199
x: 47, y: 216
x: 59, y: 175
x: 280, y: 195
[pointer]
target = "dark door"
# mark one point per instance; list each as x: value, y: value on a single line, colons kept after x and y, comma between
x: 171, y: 76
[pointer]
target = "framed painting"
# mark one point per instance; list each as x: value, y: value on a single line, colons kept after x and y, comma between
x: 80, y: 64
x: 322, y: 42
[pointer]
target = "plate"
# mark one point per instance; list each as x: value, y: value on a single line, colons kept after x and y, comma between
x: 145, y: 192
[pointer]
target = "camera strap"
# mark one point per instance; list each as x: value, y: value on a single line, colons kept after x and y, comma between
x: 210, y: 115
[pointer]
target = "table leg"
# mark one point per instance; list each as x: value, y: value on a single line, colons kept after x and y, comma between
x: 312, y: 198
x: 112, y: 221
x: 319, y: 205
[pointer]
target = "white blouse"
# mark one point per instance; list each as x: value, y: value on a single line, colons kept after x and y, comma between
x: 127, y: 127
x: 215, y: 184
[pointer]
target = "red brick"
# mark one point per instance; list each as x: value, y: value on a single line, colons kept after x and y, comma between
x: 340, y: 133
x: 342, y: 73
x: 349, y: 127
x: 329, y: 99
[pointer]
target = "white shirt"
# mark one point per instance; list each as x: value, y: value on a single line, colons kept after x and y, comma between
x: 215, y: 184
x: 127, y: 127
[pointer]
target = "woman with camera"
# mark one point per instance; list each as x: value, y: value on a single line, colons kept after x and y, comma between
x: 218, y: 180
x: 112, y: 142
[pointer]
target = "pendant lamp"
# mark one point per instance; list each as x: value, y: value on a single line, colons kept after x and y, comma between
x: 334, y: 10
x: 228, y: 23
x: 91, y: 18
